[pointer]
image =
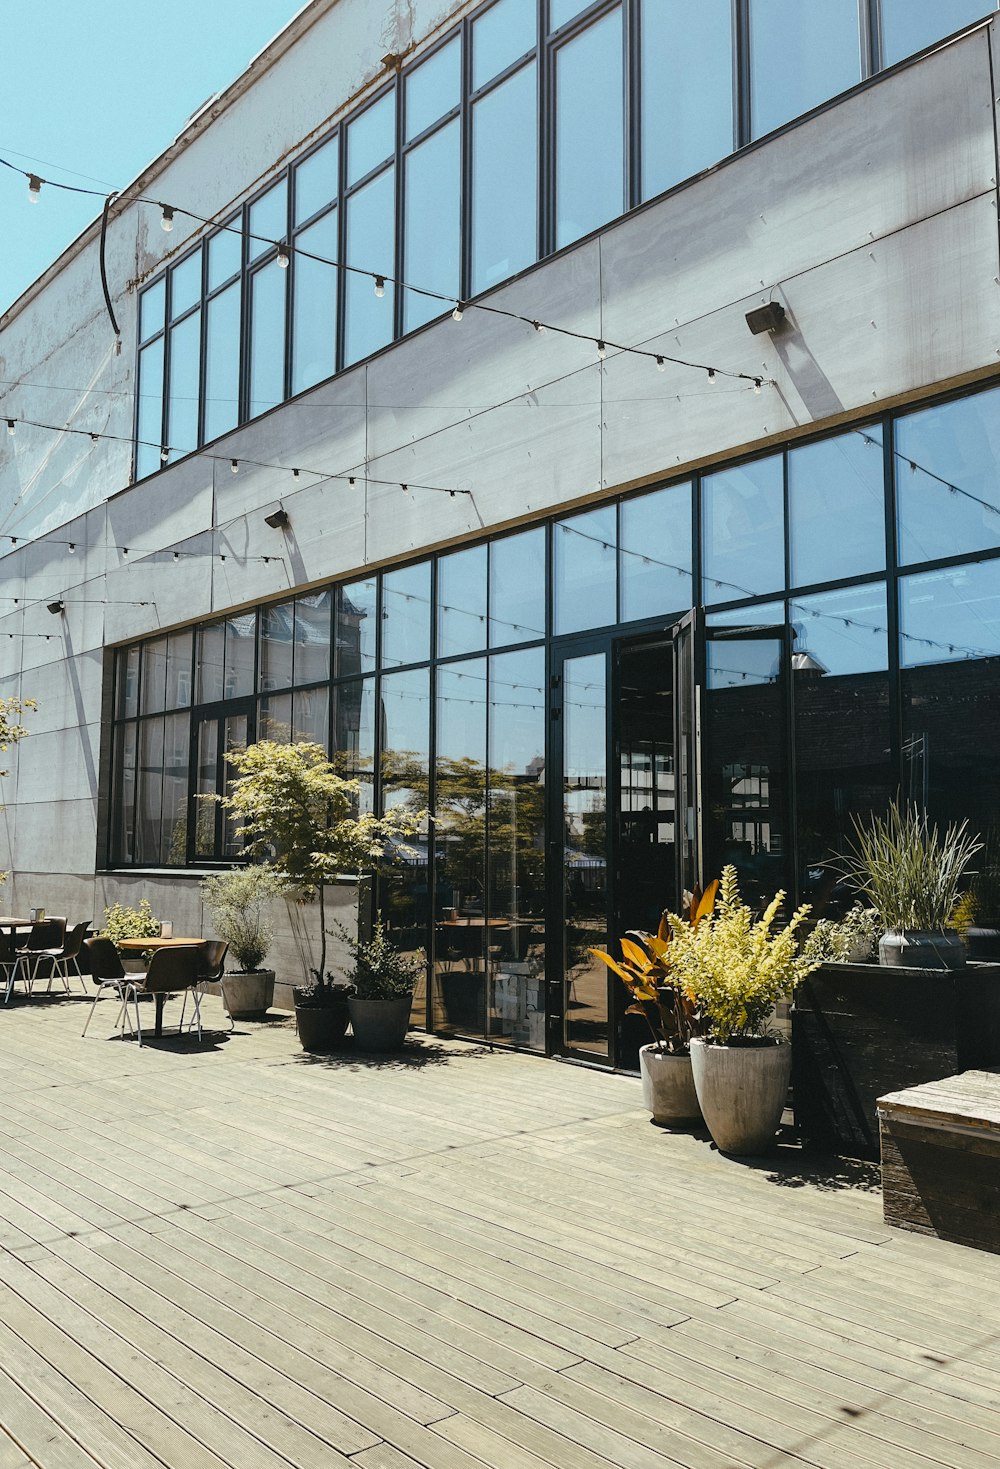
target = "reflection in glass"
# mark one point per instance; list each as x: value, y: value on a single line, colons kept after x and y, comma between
x: 311, y: 716
x: 124, y: 836
x: 267, y: 338
x: 355, y: 628
x: 840, y: 653
x: 799, y: 56
x: 173, y: 820
x: 370, y: 235
x: 151, y: 309
x: 947, y: 496
x: 743, y: 531
x: 836, y: 507
x: 275, y: 719
x: 406, y: 615
x: 312, y: 637
x: 433, y: 223
x: 268, y: 222
x: 241, y: 637
x: 185, y: 285
x: 404, y: 719
x: 178, y: 689
x: 371, y: 138
x: 314, y: 316
x: 950, y: 651
x: 210, y: 662
x: 154, y: 676
x: 316, y: 181
x: 503, y: 33
x: 687, y: 89
x: 590, y: 180
x: 276, y: 630
x: 561, y: 11
x: 224, y: 251
x: 222, y: 362
x: 460, y: 927
x: 128, y: 681
x: 207, y: 813
x: 504, y: 180
x: 461, y: 599
x: 150, y: 425
x: 354, y: 737
x: 910, y: 25
x: 517, y: 588
x: 185, y: 371
x: 585, y: 853
x: 234, y: 738
x: 584, y: 571
x: 149, y: 798
x: 656, y: 553
x: 515, y: 939
x: 433, y: 88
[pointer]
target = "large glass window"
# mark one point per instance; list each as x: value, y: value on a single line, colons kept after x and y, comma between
x: 222, y: 362
x: 433, y: 223
x: 312, y: 637
x: 655, y: 552
x: 433, y: 89
x: 314, y: 318
x: 354, y: 736
x: 743, y: 531
x: 317, y: 180
x: 356, y: 631
x: 185, y: 372
x: 504, y: 180
x: 461, y: 599
x: 406, y: 615
x: 585, y: 557
x: 267, y: 338
x: 404, y: 719
x: 500, y: 36
x: 947, y: 487
x: 800, y: 54
x: 370, y: 235
x: 517, y: 588
x: 149, y: 433
x: 268, y: 221
x: 277, y: 625
x: 151, y: 309
x: 910, y: 25
x: 185, y: 285
x: 371, y: 138
x: 224, y: 254
x: 836, y: 507
x: 590, y: 141
x: 687, y: 89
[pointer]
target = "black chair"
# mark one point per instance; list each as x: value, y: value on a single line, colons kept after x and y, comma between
x: 10, y: 964
x: 213, y: 971
x: 174, y: 968
x: 44, y: 946
x: 100, y: 957
x: 70, y: 955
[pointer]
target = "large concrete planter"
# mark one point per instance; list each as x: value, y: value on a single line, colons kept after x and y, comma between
x: 380, y: 1025
x: 668, y: 1088
x: 320, y: 1027
x: 741, y: 1091
x: 247, y: 992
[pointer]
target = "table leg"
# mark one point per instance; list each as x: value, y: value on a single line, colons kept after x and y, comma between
x: 161, y: 1000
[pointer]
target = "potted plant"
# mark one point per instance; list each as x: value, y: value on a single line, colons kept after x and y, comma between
x: 672, y: 1014
x: 911, y: 875
x: 852, y: 939
x: 291, y: 806
x: 238, y: 901
x: 737, y: 969
x: 381, y: 989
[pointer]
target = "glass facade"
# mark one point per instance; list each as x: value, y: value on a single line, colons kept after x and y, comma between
x: 504, y: 143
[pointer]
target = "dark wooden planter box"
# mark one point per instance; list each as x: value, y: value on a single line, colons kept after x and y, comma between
x: 862, y: 1030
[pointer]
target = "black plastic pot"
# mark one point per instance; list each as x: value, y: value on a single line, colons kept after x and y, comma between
x: 320, y: 1025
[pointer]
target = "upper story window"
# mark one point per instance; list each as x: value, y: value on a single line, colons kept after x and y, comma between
x: 482, y: 156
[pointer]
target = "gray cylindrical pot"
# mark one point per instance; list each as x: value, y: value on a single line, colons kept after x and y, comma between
x: 668, y: 1088
x: 248, y: 991
x: 741, y: 1091
x: 380, y: 1025
x: 913, y: 948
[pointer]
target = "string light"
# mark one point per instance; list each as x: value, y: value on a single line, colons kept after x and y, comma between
x: 234, y: 466
x: 282, y: 257
x: 661, y: 366
x: 711, y: 376
x: 34, y: 188
x: 164, y: 454
x: 72, y: 548
x: 602, y: 349
x: 380, y: 286
x: 166, y: 218
x: 756, y: 387
x: 539, y: 327
x: 458, y: 312
x: 10, y: 427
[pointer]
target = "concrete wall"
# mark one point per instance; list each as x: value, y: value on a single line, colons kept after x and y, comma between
x: 874, y: 223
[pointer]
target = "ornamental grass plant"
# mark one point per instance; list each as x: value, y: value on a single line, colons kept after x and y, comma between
x: 907, y: 870
x: 737, y: 967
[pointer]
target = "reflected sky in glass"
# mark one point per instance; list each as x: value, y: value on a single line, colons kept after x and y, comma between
x: 406, y: 615
x: 584, y: 572
x: 687, y: 89
x: 461, y: 583
x: 590, y: 120
x: 743, y: 531
x: 800, y: 54
x: 947, y: 481
x: 836, y: 507
x: 949, y: 615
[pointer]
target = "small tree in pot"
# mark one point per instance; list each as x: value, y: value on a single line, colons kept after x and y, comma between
x: 291, y: 806
x: 382, y: 982
x: 238, y: 901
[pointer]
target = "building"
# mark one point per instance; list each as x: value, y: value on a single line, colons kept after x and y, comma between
x: 513, y: 507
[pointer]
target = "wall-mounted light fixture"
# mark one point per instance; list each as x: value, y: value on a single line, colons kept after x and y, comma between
x: 766, y: 318
x: 278, y: 519
x: 55, y: 607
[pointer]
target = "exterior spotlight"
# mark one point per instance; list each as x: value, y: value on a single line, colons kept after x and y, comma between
x: 767, y: 318
x: 166, y: 218
x: 278, y: 519
x: 55, y: 608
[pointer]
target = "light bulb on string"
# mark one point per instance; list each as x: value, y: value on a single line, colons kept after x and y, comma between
x: 10, y: 427
x: 602, y: 350
x: 164, y: 454
x: 282, y: 257
x: 539, y: 327
x: 458, y: 312
x: 380, y: 286
x: 166, y: 218
x: 72, y: 548
x: 712, y: 377
x: 34, y: 188
x: 234, y: 466
x: 661, y: 366
x: 756, y: 387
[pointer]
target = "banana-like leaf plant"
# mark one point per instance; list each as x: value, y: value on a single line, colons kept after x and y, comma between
x: 673, y: 1016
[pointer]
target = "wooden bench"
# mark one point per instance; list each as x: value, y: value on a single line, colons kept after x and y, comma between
x: 940, y: 1147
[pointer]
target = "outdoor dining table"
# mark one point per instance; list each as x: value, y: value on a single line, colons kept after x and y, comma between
x: 146, y: 946
x: 8, y: 924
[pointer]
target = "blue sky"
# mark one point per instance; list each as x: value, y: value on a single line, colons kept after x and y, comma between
x: 100, y: 87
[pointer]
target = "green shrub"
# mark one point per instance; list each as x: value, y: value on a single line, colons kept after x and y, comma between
x: 122, y: 922
x: 237, y: 901
x: 381, y: 971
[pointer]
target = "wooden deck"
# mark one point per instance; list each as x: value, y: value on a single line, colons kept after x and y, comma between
x: 240, y: 1256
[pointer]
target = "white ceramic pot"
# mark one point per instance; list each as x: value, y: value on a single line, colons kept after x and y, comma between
x: 668, y: 1087
x: 912, y: 948
x: 741, y: 1091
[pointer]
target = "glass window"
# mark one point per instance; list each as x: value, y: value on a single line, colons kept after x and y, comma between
x: 317, y: 180
x: 406, y: 615
x: 433, y: 223
x: 207, y: 813
x: 508, y: 30
x: 267, y: 338
x: 561, y: 11
x: 585, y: 555
x: 154, y: 676
x: 799, y: 56
x: 173, y: 820
x: 224, y: 252
x: 185, y: 285
x: 947, y: 495
x: 434, y: 88
x: 356, y: 626
x: 151, y: 309
x: 405, y: 723
x: 311, y: 716
x: 276, y: 633
x: 371, y: 138
x: 743, y: 531
x: 656, y: 553
x: 150, y: 418
x: 241, y: 637
x: 354, y: 736
x: 505, y: 180
x: 762, y: 614
x: 517, y: 588
x: 178, y: 691
x: 370, y: 236
x: 149, y: 802
x: 124, y: 837
x: 687, y: 89
x: 128, y: 681
x: 268, y: 221
x: 590, y: 107
x: 275, y: 722
x: 949, y: 615
x: 222, y: 362
x: 312, y: 637
x: 461, y: 598
x: 910, y: 25
x: 185, y: 370
x: 836, y: 507
x: 211, y: 643
x: 314, y: 324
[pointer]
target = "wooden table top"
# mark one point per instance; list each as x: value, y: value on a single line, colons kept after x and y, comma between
x: 141, y: 946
